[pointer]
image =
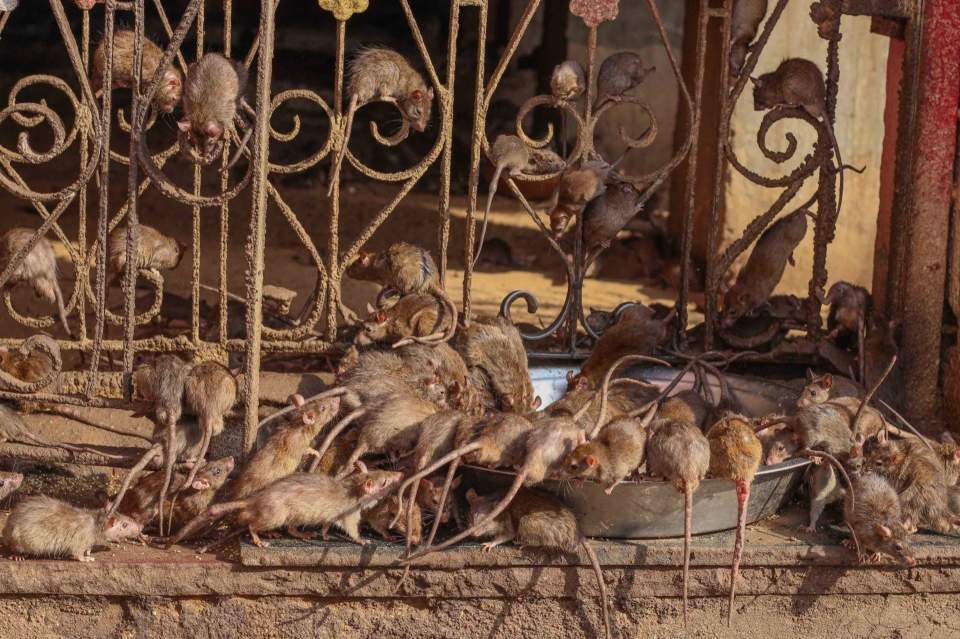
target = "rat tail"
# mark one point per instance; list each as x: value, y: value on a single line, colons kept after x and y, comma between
x: 435, y: 338
x: 61, y: 309
x: 494, y: 183
x: 171, y: 456
x: 206, y: 518
x: 836, y: 149
x: 687, y: 525
x: 423, y: 472
x: 469, y: 532
x: 348, y: 127
x: 606, y: 385
x: 601, y: 585
x: 147, y: 457
x: 337, y: 429
x: 743, y: 498
x: 448, y: 482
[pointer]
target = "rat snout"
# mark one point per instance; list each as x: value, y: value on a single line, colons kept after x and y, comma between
x: 910, y: 561
x: 419, y: 126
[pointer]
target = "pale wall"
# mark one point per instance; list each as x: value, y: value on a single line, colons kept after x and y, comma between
x: 859, y: 133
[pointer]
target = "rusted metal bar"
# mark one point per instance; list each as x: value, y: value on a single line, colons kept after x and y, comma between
x: 918, y: 280
x: 256, y: 239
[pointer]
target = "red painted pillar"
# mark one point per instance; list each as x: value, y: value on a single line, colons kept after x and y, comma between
x: 918, y: 282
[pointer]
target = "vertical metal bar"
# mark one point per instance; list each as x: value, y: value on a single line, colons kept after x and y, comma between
x: 922, y: 287
x: 255, y: 239
x: 713, y: 230
x: 195, y: 213
x: 447, y: 132
x: 100, y: 289
x: 130, y: 277
x: 479, y: 118
x: 84, y: 146
x: 223, y: 333
x: 690, y: 177
x: 333, y: 244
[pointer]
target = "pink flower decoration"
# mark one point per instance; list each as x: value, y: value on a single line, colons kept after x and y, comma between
x: 593, y: 12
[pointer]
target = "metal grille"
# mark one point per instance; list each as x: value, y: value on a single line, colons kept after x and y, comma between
x: 90, y: 135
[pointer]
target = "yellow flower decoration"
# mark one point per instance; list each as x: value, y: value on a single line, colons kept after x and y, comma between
x: 344, y: 9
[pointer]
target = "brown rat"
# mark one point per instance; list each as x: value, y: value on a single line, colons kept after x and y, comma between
x: 497, y: 360
x: 613, y: 456
x: 578, y: 186
x: 606, y: 215
x: 534, y: 520
x: 850, y: 306
x: 619, y: 73
x: 918, y: 477
x: 798, y: 83
x: 744, y: 24
x: 735, y: 454
x: 154, y: 250
x: 510, y: 153
x: 385, y: 516
x: 680, y: 453
x: 687, y: 406
x: 37, y: 270
x: 408, y: 269
x: 122, y: 74
x: 302, y: 499
x: 391, y: 426
x: 414, y: 317
x: 382, y: 74
x: 34, y: 360
x: 212, y: 94
x: 210, y: 391
x: 875, y: 517
x: 546, y: 447
x: 568, y: 80
x: 449, y: 370
x: 764, y: 268
x: 636, y: 332
x: 9, y: 483
x: 41, y: 526
x: 194, y: 498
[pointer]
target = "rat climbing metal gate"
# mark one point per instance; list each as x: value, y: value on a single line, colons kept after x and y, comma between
x: 95, y: 126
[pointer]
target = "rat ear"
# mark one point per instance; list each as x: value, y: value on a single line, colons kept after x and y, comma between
x: 571, y: 377
x: 430, y: 93
x: 370, y: 309
x: 536, y: 402
x: 111, y: 521
x: 297, y: 400
x: 581, y: 437
x: 826, y: 381
x: 590, y: 460
x: 200, y: 484
x: 956, y: 455
x: 756, y: 81
x: 308, y: 417
x: 361, y: 467
x: 883, y: 531
x: 472, y: 495
x: 381, y: 317
x: 212, y: 129
x: 184, y: 125
x: 809, y: 375
x: 456, y: 482
x: 416, y: 94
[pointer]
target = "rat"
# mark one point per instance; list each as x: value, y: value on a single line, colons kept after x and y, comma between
x: 735, y: 454
x: 194, y: 498
x: 687, y: 406
x: 546, y: 447
x: 578, y: 186
x: 918, y: 477
x: 391, y: 426
x: 680, y: 453
x: 636, y: 332
x: 614, y: 455
x: 41, y: 526
x: 212, y: 94
x: 449, y: 372
x: 154, y: 250
x: 382, y: 74
x: 744, y: 24
x: 497, y: 361
x: 38, y: 268
x: 162, y: 385
x: 764, y: 268
x: 140, y: 502
x: 875, y: 517
x: 9, y: 483
x: 798, y: 83
x: 535, y: 520
x: 568, y: 80
x: 210, y: 391
x: 620, y: 73
x: 510, y: 153
x: 606, y: 215
x: 414, y: 317
x: 850, y: 306
x: 35, y: 359
x: 408, y: 269
x: 121, y: 76
x: 385, y: 516
x: 302, y: 499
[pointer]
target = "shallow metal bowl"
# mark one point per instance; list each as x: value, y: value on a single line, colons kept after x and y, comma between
x: 652, y: 509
